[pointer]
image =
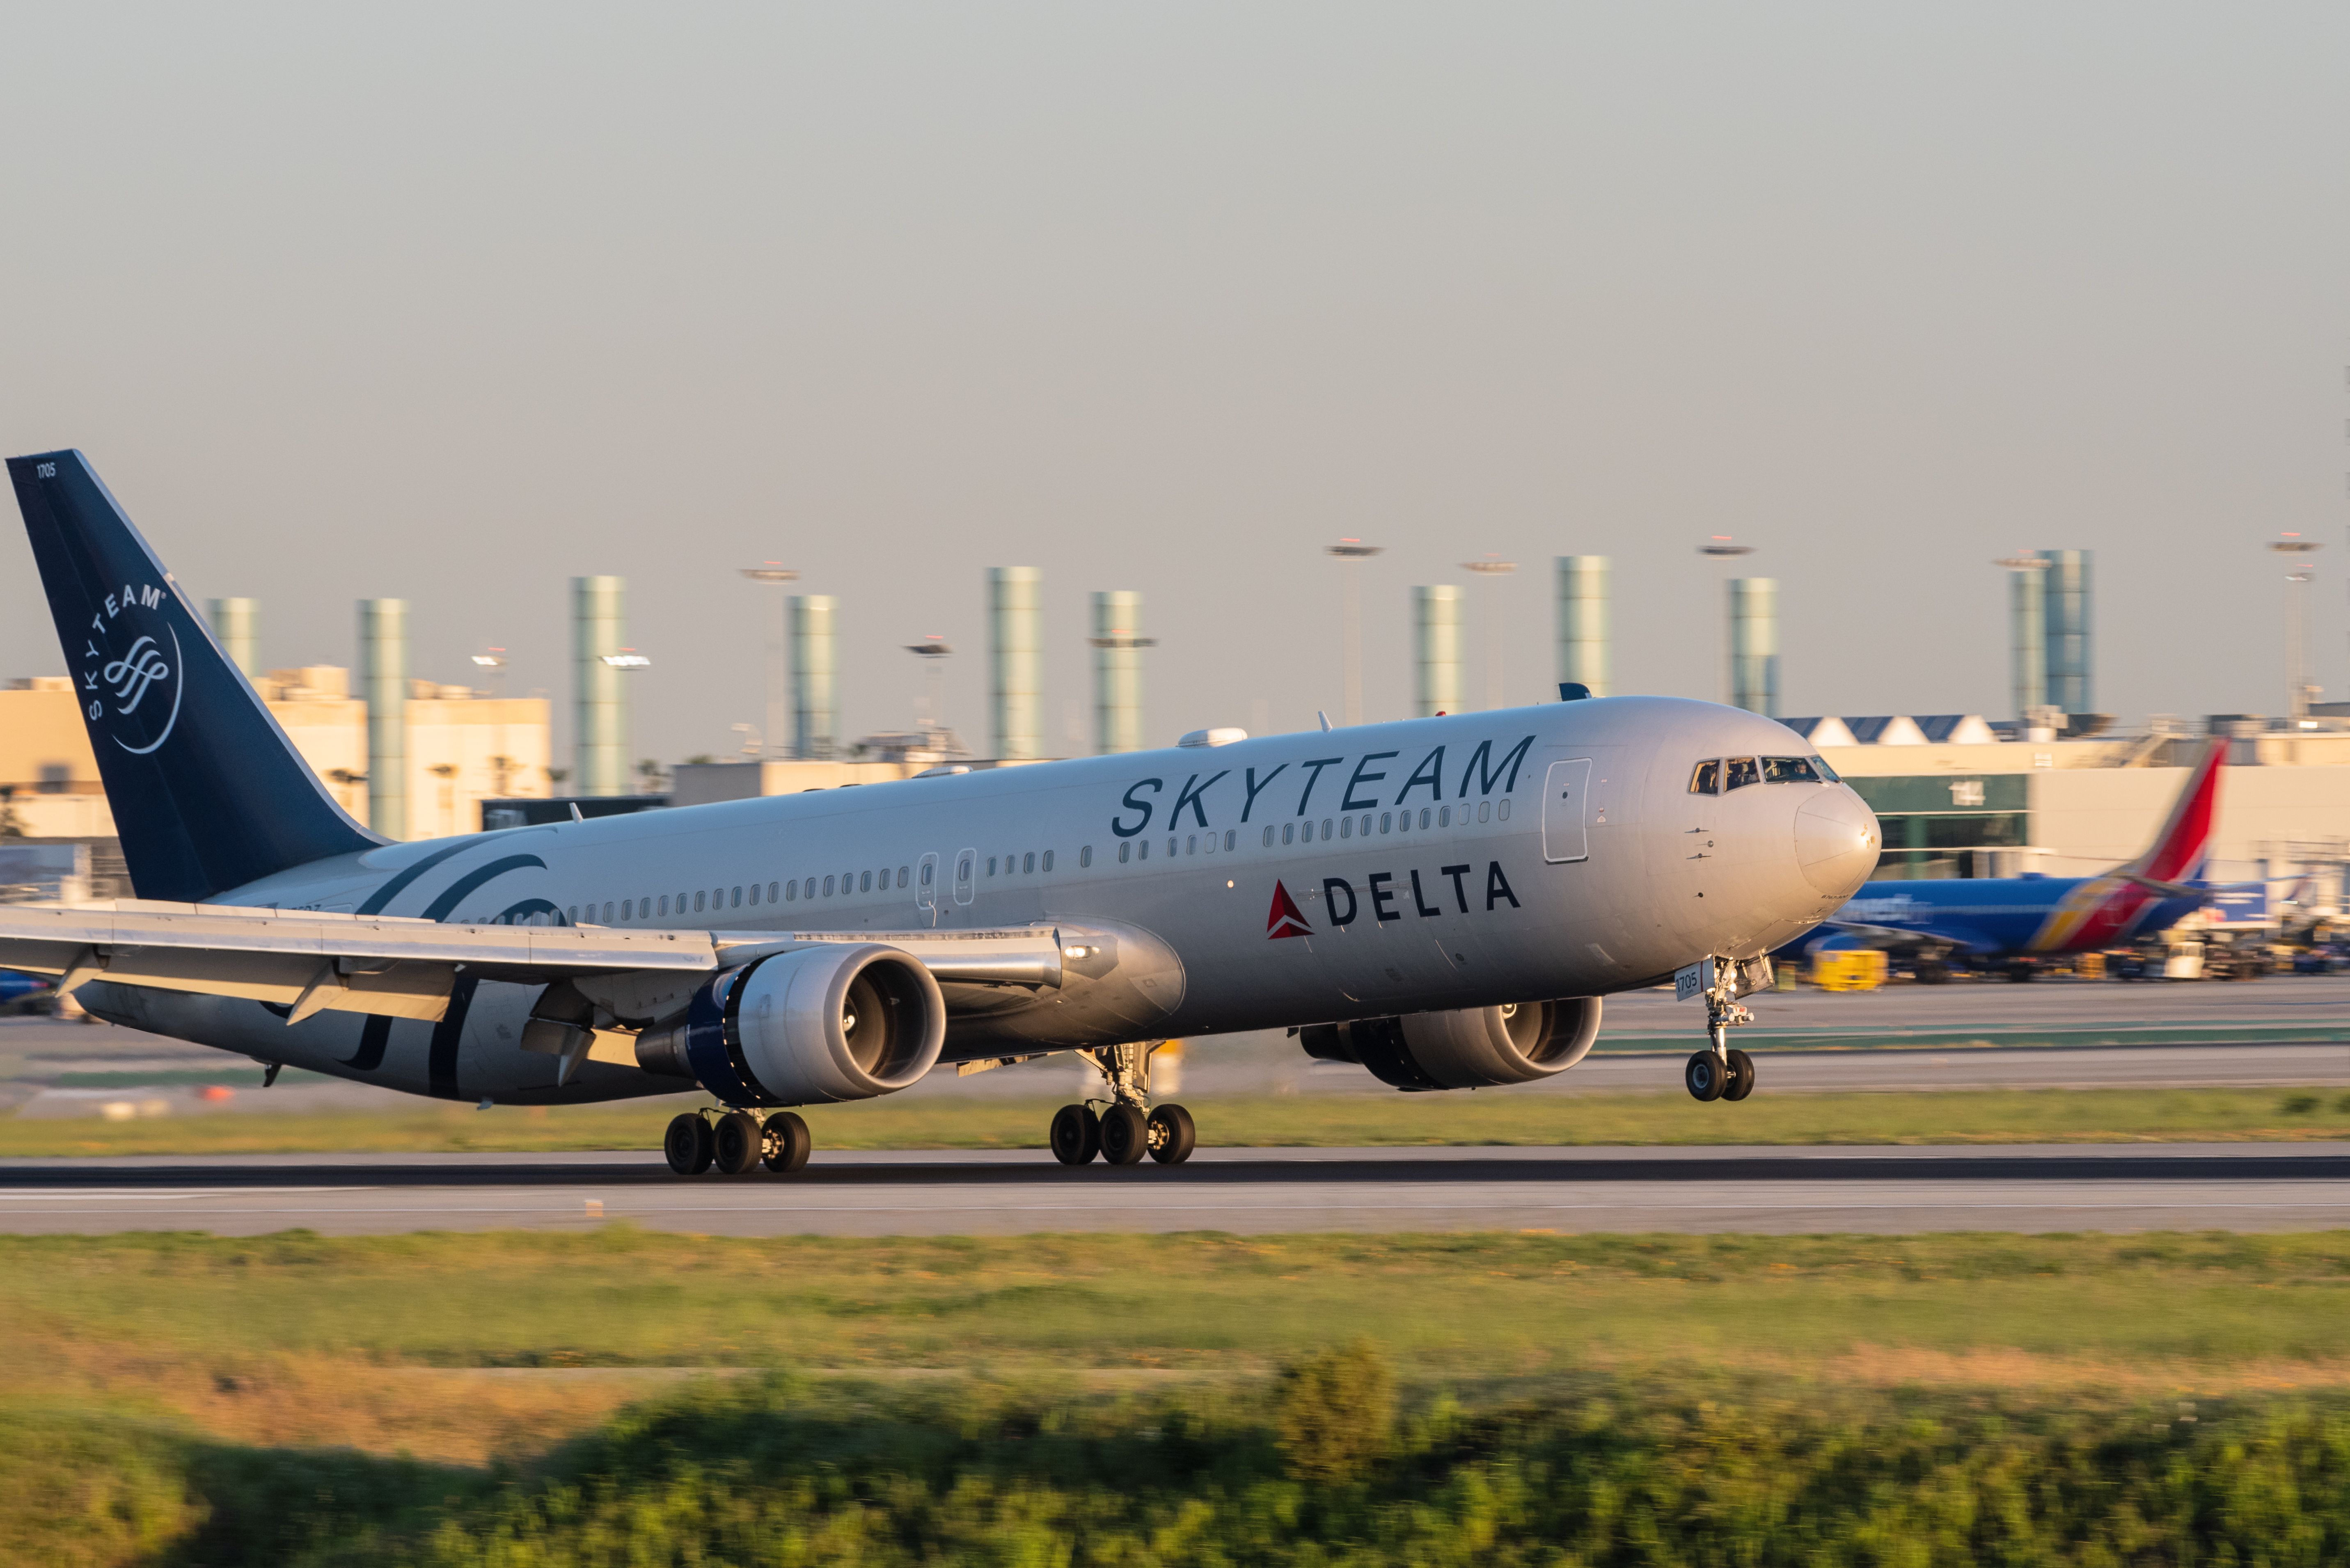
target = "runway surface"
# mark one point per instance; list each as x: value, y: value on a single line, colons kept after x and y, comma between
x: 2042, y: 1188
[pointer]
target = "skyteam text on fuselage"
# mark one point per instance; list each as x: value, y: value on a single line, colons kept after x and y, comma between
x: 2010, y: 923
x: 1445, y: 901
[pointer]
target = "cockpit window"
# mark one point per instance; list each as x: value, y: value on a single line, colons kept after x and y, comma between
x: 1742, y: 771
x: 1707, y: 780
x: 1827, y: 774
x: 1789, y: 770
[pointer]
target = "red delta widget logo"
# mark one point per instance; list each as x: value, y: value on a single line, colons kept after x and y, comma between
x: 1285, y: 918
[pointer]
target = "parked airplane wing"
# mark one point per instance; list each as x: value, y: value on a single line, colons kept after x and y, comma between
x: 308, y: 960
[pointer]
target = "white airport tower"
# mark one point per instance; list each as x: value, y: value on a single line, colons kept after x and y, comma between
x: 383, y: 687
x: 1014, y: 655
x: 1118, y: 644
x: 1436, y: 650
x: 1583, y: 621
x: 600, y: 698
x: 815, y: 720
x: 236, y: 623
x: 1754, y: 645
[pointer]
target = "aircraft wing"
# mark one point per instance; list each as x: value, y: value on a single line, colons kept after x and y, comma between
x: 1894, y: 935
x: 2171, y: 890
x: 310, y: 960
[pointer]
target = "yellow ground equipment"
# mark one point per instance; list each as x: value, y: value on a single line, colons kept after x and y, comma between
x: 1862, y: 970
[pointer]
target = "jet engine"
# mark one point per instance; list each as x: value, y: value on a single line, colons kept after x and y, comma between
x: 1468, y: 1048
x: 810, y: 1026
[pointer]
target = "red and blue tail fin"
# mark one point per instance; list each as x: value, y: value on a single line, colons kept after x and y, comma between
x: 2178, y: 852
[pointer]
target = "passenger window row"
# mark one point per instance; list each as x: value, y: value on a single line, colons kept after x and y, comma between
x: 1717, y: 774
x: 1026, y: 864
x: 702, y: 900
x: 1030, y: 862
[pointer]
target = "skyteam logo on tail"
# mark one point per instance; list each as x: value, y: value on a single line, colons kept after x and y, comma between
x: 130, y: 669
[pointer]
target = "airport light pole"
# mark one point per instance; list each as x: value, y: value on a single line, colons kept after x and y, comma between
x: 777, y: 576
x: 2296, y: 551
x: 494, y: 664
x: 1350, y: 554
x: 1723, y: 549
x: 933, y: 651
x: 1494, y: 570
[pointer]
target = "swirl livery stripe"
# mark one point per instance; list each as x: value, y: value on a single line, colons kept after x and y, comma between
x: 464, y: 887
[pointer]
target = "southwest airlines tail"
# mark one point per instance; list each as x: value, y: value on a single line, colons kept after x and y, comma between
x: 208, y: 794
x: 2178, y: 852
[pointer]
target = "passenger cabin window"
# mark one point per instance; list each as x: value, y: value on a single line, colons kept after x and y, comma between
x: 1707, y: 779
x: 1743, y: 771
x: 1789, y: 770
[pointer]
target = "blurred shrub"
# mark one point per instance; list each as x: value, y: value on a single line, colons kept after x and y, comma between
x: 1613, y: 1474
x: 1334, y: 1413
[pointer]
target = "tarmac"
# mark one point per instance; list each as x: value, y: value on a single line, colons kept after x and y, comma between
x: 1767, y: 1191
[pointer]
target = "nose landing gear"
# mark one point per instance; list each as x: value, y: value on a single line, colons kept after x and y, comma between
x: 1129, y: 1128
x: 1717, y: 1072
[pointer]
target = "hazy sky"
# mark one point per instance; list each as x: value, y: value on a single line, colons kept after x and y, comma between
x: 453, y: 304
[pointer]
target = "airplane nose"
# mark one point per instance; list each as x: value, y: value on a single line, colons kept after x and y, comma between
x: 1836, y: 841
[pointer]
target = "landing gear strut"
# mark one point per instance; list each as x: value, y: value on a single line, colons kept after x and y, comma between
x: 1127, y: 1128
x: 1717, y: 1072
x: 737, y: 1142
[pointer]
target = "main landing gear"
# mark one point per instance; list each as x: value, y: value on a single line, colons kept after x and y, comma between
x: 1719, y: 1072
x: 1123, y: 1131
x: 737, y: 1142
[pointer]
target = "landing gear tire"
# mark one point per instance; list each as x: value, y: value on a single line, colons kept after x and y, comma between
x: 1076, y: 1135
x: 1933, y: 974
x: 1170, y: 1135
x: 1741, y: 1076
x: 737, y: 1142
x: 1125, y: 1136
x: 688, y: 1144
x: 1704, y: 1076
x: 787, y: 1143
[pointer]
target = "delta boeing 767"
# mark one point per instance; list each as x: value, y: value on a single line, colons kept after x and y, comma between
x: 1445, y: 901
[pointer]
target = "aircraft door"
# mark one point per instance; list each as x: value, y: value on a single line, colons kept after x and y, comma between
x: 966, y: 867
x: 1564, y: 788
x: 926, y: 887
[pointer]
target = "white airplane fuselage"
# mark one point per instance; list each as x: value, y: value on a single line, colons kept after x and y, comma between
x: 1459, y: 862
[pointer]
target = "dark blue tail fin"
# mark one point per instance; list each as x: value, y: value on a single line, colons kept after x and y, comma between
x: 208, y: 794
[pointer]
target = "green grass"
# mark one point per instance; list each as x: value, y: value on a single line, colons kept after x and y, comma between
x: 1952, y: 1116
x: 509, y: 1399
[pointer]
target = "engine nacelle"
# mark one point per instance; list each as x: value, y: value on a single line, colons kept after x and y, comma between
x: 806, y: 1027
x: 1468, y: 1048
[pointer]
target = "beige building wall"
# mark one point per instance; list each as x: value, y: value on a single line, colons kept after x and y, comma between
x: 2283, y: 798
x: 700, y: 783
x: 487, y: 746
x: 463, y: 749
